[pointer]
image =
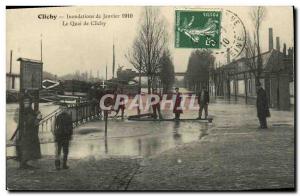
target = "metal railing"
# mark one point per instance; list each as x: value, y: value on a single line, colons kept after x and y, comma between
x: 80, y: 113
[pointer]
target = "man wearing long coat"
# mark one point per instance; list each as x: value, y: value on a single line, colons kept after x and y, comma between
x: 63, y: 134
x: 177, y: 110
x: 27, y: 141
x: 203, y: 100
x: 262, y: 106
x: 156, y: 107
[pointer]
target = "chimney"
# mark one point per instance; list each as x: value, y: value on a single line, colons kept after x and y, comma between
x: 270, y: 39
x: 290, y: 52
x: 284, y: 49
x: 277, y: 44
x: 228, y: 56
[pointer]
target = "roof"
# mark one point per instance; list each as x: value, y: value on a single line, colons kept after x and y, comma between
x: 266, y: 60
x: 29, y: 60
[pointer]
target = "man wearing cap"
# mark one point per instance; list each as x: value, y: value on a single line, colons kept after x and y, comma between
x: 63, y: 134
x: 262, y: 106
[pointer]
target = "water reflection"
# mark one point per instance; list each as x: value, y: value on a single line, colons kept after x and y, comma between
x: 119, y: 143
x: 203, y: 131
x: 176, y: 135
x: 124, y: 138
x: 106, y: 144
x: 131, y: 138
x: 140, y: 146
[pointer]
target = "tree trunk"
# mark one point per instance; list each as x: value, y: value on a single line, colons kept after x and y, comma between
x: 259, y: 60
x: 149, y: 85
x: 246, y: 88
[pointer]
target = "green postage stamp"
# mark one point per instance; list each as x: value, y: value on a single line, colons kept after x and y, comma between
x: 197, y: 29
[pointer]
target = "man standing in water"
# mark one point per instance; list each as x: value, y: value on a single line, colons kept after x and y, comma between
x: 27, y: 141
x: 203, y: 100
x: 63, y: 134
x: 121, y: 104
x: 262, y: 106
x: 156, y: 106
x: 177, y: 110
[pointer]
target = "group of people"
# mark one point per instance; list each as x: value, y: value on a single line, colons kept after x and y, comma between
x: 262, y: 104
x: 27, y: 140
x: 203, y: 101
x: 95, y: 96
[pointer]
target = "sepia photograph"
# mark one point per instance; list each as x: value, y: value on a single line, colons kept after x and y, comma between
x: 150, y: 98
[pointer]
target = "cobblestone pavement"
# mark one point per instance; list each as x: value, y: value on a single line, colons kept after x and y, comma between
x: 84, y: 174
x: 235, y: 160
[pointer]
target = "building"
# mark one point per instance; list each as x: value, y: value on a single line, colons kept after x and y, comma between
x: 237, y: 78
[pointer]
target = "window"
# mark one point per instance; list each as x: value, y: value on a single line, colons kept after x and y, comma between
x: 241, y: 87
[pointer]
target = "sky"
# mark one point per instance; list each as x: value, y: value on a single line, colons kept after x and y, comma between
x: 89, y: 48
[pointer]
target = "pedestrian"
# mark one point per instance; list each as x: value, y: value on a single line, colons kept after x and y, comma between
x: 262, y: 106
x: 121, y: 105
x: 203, y: 100
x: 100, y: 94
x: 27, y: 140
x: 63, y: 134
x: 177, y: 110
x: 156, y: 106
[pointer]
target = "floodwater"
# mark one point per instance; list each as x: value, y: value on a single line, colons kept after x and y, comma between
x: 12, y: 113
x: 144, y: 139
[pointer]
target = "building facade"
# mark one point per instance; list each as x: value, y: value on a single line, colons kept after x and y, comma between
x: 238, y: 78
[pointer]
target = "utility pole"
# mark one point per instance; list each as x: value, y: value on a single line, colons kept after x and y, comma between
x: 113, y: 65
x: 106, y: 72
x: 41, y: 47
x: 10, y: 63
x: 105, y: 130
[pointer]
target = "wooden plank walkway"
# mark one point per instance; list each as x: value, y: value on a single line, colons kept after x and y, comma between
x: 183, y: 119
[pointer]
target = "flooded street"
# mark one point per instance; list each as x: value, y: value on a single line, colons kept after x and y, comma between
x: 144, y: 139
x: 12, y: 113
x: 146, y: 155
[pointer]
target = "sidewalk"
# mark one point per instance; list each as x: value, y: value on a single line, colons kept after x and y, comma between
x: 235, y: 160
x: 84, y: 174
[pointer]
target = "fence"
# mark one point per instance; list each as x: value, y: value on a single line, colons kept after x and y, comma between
x: 80, y: 113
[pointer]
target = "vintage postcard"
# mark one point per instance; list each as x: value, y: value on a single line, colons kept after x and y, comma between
x: 150, y: 98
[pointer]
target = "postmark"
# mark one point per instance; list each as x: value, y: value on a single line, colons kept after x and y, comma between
x: 233, y: 36
x: 197, y: 29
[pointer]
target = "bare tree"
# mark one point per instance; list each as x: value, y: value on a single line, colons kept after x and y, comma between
x: 149, y: 44
x: 257, y: 15
x: 250, y: 53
